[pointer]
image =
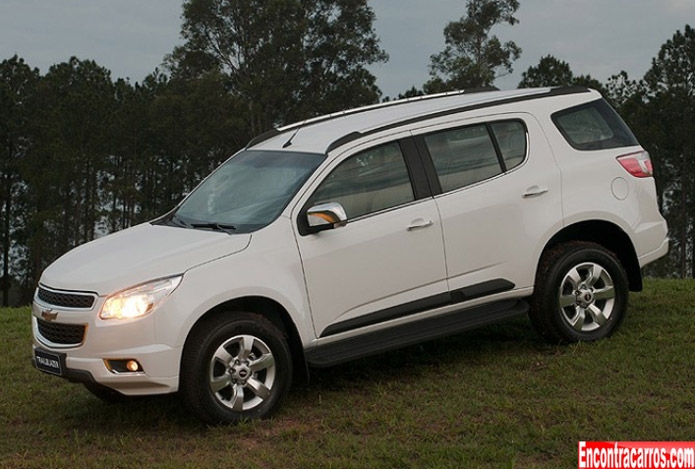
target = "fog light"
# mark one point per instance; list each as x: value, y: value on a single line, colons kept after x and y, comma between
x: 127, y: 365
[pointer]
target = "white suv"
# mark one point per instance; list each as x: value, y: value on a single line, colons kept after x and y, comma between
x: 355, y: 233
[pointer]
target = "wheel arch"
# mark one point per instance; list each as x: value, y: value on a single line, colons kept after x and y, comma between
x: 608, y: 235
x: 270, y: 310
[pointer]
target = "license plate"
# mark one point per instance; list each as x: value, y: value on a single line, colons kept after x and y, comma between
x: 49, y: 362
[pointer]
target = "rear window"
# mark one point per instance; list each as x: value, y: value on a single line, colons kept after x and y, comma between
x: 593, y: 126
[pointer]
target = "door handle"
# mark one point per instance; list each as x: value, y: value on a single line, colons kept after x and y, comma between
x: 419, y: 224
x: 535, y: 191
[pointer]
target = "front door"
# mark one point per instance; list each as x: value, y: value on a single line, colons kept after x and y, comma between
x: 388, y: 262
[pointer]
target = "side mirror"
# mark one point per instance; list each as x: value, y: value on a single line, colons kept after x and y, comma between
x: 326, y: 217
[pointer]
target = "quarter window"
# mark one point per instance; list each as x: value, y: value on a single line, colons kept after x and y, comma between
x: 593, y: 126
x: 368, y: 182
x: 463, y: 156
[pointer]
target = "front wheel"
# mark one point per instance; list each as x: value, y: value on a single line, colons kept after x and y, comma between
x: 235, y: 366
x: 581, y: 293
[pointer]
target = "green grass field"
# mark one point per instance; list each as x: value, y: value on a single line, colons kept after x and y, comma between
x: 497, y: 397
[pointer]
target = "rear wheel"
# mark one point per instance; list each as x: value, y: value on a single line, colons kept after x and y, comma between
x: 581, y: 293
x: 236, y: 366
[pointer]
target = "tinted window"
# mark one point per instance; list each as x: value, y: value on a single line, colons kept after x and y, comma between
x: 463, y: 156
x: 249, y: 190
x: 370, y: 181
x: 511, y: 139
x: 593, y: 126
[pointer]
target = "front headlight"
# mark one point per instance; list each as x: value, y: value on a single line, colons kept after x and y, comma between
x: 140, y: 300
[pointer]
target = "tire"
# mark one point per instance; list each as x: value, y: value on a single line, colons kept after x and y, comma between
x: 581, y: 293
x: 106, y: 394
x: 235, y: 366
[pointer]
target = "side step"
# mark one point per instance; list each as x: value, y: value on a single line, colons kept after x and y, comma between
x: 412, y: 333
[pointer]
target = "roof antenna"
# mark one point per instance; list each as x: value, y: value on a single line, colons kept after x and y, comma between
x: 289, y: 142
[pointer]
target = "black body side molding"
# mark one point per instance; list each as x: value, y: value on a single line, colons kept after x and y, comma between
x: 387, y: 314
x: 479, y: 290
x: 413, y: 333
x: 432, y: 302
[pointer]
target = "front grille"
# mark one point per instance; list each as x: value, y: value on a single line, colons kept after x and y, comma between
x: 63, y: 334
x: 66, y: 300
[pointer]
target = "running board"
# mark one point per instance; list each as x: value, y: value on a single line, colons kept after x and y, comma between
x: 412, y: 333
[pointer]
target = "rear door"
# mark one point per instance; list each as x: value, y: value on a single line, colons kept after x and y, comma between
x: 498, y: 194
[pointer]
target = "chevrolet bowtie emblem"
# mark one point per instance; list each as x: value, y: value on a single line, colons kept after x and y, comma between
x: 49, y: 314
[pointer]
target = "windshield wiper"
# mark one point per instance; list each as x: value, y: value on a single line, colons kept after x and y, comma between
x: 179, y: 221
x: 215, y: 226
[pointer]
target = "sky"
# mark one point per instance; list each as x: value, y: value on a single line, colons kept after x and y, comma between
x: 131, y: 37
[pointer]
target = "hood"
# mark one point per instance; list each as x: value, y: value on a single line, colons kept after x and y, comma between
x: 138, y: 254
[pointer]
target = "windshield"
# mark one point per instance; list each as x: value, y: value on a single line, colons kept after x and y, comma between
x: 248, y: 191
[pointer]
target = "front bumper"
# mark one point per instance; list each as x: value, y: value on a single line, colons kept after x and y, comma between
x: 74, y: 376
x: 109, y: 340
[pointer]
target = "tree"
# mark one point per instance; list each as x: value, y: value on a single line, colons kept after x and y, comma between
x: 194, y: 126
x: 671, y: 83
x: 128, y: 138
x: 589, y: 82
x: 411, y: 93
x: 285, y: 59
x: 549, y: 72
x: 472, y: 57
x: 621, y: 90
x: 75, y: 104
x: 17, y: 90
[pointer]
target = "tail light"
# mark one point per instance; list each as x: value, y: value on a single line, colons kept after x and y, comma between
x: 638, y: 164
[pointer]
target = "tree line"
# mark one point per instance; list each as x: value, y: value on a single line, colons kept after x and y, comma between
x: 82, y: 154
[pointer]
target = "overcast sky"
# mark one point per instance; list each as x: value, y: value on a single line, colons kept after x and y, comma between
x: 131, y: 37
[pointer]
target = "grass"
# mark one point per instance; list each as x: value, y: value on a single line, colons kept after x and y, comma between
x: 498, y: 397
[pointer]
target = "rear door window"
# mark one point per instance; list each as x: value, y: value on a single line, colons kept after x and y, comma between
x: 593, y: 126
x: 463, y: 156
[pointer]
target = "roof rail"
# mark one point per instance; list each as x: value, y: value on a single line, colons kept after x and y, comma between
x: 386, y: 104
x: 315, y: 120
x: 558, y: 91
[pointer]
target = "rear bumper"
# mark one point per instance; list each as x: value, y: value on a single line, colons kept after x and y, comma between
x: 658, y: 253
